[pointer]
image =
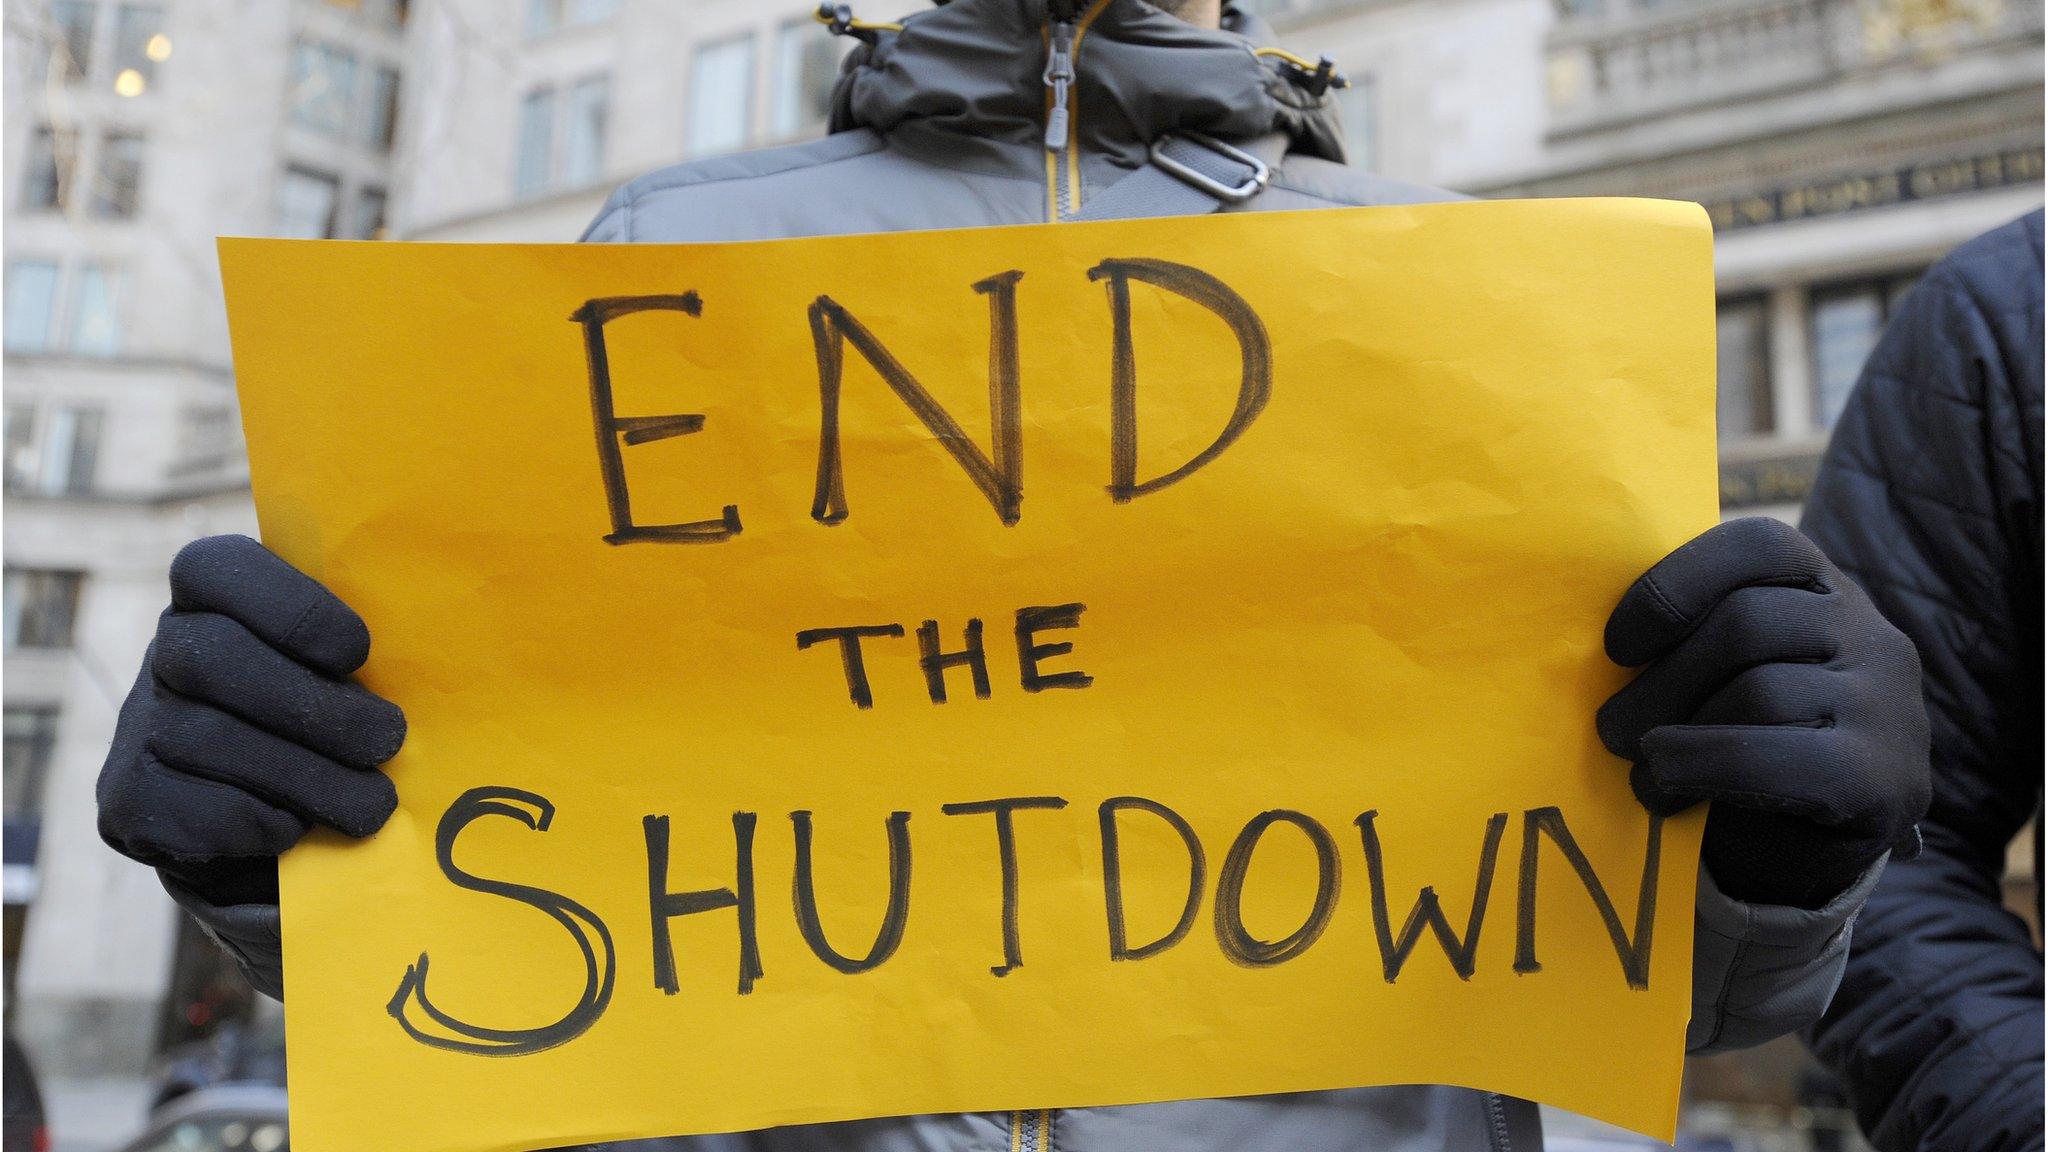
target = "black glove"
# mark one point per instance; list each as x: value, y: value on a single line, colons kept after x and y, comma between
x: 1773, y: 688
x: 241, y: 732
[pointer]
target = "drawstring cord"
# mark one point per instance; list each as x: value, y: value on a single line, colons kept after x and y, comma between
x: 1317, y: 76
x: 840, y: 19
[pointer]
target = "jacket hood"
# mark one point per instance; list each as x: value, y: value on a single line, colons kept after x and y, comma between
x: 965, y: 85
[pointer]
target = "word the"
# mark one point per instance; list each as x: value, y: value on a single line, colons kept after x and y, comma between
x: 934, y: 661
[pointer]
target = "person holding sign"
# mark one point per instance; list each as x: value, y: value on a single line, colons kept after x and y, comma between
x: 1769, y: 685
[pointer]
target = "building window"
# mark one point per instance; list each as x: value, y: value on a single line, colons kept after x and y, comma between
x: 307, y: 203
x: 139, y: 44
x: 57, y: 458
x: 96, y: 311
x: 71, y: 51
x: 21, y: 445
x: 49, y: 172
x: 118, y: 181
x: 323, y: 87
x: 383, y: 123
x: 41, y: 607
x: 68, y: 455
x: 545, y: 16
x: 585, y: 110
x: 806, y: 67
x: 31, y: 735
x: 1844, y: 324
x: 1743, y: 368
x: 536, y: 141
x: 369, y: 218
x: 562, y: 136
x: 721, y: 90
x: 1356, y: 110
x: 31, y: 305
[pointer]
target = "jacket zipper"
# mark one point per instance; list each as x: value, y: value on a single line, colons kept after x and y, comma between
x: 1066, y: 29
x: 1497, y: 1124
x: 1059, y: 78
x: 1032, y: 1131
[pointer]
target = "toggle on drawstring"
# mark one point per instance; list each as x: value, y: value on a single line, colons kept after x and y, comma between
x: 1316, y: 77
x: 840, y: 19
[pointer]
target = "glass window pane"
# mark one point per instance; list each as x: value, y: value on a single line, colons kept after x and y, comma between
x: 118, y: 182
x: 1846, y: 323
x: 48, y: 171
x: 306, y: 204
x: 96, y: 312
x: 21, y: 446
x: 71, y: 449
x: 590, y: 11
x: 85, y: 451
x: 31, y: 734
x: 806, y: 68
x: 383, y: 122
x: 31, y: 304
x: 1355, y: 111
x: 71, y: 51
x: 585, y: 110
x: 134, y: 27
x: 369, y: 218
x: 786, y: 112
x: 721, y: 85
x: 536, y: 141
x: 1743, y: 369
x: 323, y: 87
x: 543, y: 16
x: 41, y: 607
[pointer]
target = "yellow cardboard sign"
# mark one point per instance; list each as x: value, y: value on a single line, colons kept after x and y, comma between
x: 991, y: 669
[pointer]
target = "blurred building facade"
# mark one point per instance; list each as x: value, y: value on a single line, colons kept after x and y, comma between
x: 135, y: 133
x: 1839, y: 146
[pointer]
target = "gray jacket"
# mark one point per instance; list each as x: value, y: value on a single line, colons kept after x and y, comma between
x: 942, y: 122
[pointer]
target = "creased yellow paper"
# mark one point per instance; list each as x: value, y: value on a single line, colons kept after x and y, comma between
x: 1348, y: 650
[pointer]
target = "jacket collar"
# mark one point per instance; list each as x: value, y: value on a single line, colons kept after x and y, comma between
x: 964, y: 85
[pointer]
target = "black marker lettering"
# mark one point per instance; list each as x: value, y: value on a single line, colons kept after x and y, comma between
x: 1030, y: 652
x: 1006, y: 852
x: 1428, y: 910
x: 664, y: 905
x: 935, y: 662
x: 1634, y: 954
x: 1255, y: 383
x: 849, y: 655
x: 536, y: 813
x: 1240, y: 946
x: 1113, y: 876
x: 612, y: 428
x: 805, y: 897
x: 1000, y: 480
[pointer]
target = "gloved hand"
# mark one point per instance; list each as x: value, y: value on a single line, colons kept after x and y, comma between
x: 1771, y: 686
x: 241, y: 732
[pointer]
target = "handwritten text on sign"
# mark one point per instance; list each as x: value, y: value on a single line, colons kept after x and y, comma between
x: 1170, y: 643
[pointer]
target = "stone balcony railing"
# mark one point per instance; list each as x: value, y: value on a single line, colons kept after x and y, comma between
x: 1615, y: 62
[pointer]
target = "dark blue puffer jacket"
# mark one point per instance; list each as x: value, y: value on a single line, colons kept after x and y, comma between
x: 1930, y: 496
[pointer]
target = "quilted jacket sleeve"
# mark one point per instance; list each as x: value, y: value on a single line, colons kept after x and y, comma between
x: 1929, y: 497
